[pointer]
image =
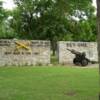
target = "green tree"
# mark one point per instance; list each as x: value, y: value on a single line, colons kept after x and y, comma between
x: 5, y: 30
x: 83, y: 30
x: 2, y: 13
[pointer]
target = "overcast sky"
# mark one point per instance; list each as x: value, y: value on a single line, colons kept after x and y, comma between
x: 9, y: 4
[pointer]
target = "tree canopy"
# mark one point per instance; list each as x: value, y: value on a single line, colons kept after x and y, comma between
x: 51, y: 20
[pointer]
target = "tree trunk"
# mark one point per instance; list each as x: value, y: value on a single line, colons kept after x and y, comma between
x: 54, y: 47
x: 98, y: 27
x: 98, y: 37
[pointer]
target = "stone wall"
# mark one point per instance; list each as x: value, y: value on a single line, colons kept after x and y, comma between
x: 24, y: 52
x: 66, y: 56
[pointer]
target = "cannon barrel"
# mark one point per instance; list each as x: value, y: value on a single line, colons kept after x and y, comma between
x: 74, y: 51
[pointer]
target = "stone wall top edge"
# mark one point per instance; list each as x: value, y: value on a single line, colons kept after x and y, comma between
x: 74, y: 42
x: 23, y: 40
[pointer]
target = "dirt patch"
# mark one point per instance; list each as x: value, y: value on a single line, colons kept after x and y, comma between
x: 71, y: 93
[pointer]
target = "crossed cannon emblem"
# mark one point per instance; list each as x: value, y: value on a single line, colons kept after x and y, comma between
x: 23, y: 45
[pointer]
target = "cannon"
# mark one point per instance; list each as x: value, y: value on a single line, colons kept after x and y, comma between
x: 80, y: 58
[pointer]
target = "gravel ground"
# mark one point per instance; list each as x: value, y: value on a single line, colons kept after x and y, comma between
x: 72, y: 65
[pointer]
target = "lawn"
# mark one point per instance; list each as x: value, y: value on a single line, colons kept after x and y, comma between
x: 48, y: 83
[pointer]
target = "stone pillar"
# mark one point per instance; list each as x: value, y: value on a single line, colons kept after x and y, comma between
x: 65, y: 56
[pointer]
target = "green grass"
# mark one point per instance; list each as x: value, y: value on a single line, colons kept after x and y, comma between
x: 48, y: 83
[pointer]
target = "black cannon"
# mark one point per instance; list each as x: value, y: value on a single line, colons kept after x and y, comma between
x: 80, y: 58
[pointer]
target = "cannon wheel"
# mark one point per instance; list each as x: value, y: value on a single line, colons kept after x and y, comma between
x: 76, y: 61
x: 84, y: 62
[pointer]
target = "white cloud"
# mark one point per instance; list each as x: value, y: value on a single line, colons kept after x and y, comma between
x: 8, y: 4
x: 94, y: 3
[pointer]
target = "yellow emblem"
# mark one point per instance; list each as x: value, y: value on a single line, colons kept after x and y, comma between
x: 24, y: 45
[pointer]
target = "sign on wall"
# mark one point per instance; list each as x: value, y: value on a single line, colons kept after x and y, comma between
x: 24, y: 52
